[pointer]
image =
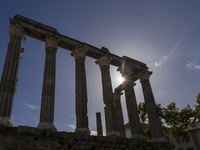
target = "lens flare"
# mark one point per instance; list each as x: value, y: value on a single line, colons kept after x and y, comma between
x: 121, y: 79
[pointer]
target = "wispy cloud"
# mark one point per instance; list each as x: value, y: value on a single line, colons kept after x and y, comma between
x: 72, y: 126
x: 165, y: 58
x: 161, y: 61
x: 193, y: 65
x: 31, y: 106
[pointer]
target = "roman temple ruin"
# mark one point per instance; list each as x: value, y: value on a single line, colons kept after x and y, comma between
x: 132, y: 70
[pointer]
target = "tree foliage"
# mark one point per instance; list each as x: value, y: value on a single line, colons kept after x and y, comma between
x: 197, y: 108
x: 175, y: 121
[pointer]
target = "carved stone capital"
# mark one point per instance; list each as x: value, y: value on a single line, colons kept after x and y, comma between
x: 117, y: 95
x: 144, y: 75
x: 129, y: 82
x: 51, y: 42
x: 103, y: 61
x: 127, y: 72
x: 17, y: 30
x: 79, y: 52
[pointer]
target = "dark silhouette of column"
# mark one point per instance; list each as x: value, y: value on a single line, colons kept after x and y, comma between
x: 99, y: 124
x: 9, y: 74
x: 79, y: 54
x: 48, y: 90
x: 154, y: 121
x: 110, y: 114
x: 119, y: 113
x: 131, y: 103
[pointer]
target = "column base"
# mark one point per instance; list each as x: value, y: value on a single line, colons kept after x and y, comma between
x: 139, y: 137
x: 113, y: 133
x: 46, y: 126
x: 160, y: 139
x: 6, y: 121
x: 82, y: 131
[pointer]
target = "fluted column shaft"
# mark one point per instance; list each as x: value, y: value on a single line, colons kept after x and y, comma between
x: 110, y: 114
x: 79, y: 54
x: 48, y: 89
x: 154, y: 121
x: 133, y: 114
x: 99, y: 124
x: 9, y: 74
x: 119, y: 113
x: 131, y: 103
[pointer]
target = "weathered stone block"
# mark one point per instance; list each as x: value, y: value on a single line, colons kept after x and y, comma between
x: 75, y: 146
x: 81, y: 147
x: 64, y: 136
x: 88, y: 147
x: 11, y: 130
x: 22, y: 130
x: 40, y: 133
x: 71, y: 136
x: 2, y: 148
x: 32, y: 131
x: 77, y: 137
x: 123, y: 146
x: 2, y: 128
x: 57, y: 145
x: 50, y: 133
x: 22, y: 147
x: 2, y: 140
x: 101, y: 139
x: 11, y: 141
x: 11, y: 147
x: 57, y: 135
x: 65, y: 146
x: 87, y: 137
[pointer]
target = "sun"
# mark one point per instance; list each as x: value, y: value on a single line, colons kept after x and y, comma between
x: 121, y: 79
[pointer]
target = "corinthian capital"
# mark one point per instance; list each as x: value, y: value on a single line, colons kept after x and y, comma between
x: 79, y: 52
x: 51, y: 42
x: 103, y: 61
x: 126, y: 70
x: 144, y: 75
x: 17, y: 30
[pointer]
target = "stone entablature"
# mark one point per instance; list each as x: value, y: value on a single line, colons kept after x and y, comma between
x: 39, y: 31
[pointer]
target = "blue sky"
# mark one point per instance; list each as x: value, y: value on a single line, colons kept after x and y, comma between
x: 163, y: 34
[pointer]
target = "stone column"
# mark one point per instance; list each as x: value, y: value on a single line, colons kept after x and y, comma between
x: 48, y: 89
x: 16, y: 80
x: 110, y: 114
x: 99, y: 124
x: 154, y: 121
x: 79, y: 54
x: 119, y: 113
x: 131, y: 103
x: 9, y: 74
x: 106, y: 120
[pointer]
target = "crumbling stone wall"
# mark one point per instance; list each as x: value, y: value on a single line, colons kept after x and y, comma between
x: 29, y: 138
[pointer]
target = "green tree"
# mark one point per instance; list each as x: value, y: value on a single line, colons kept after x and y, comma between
x: 144, y: 117
x: 197, y: 108
x: 176, y: 120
